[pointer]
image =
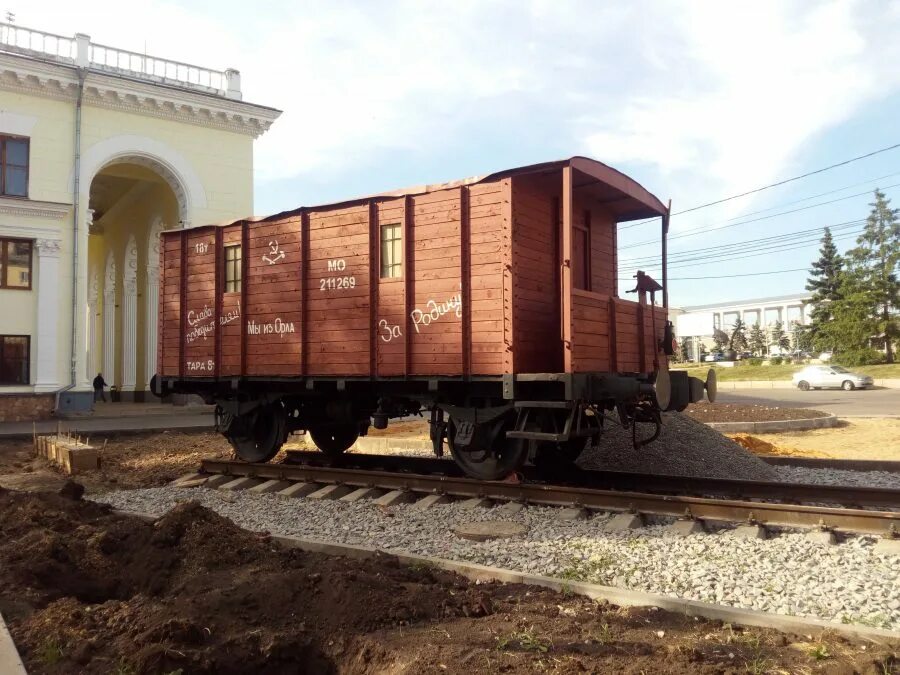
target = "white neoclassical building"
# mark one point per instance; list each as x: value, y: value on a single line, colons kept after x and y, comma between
x: 700, y: 321
x: 101, y: 149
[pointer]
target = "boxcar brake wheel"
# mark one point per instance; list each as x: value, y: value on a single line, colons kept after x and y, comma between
x: 260, y: 436
x: 502, y: 457
x: 334, y: 439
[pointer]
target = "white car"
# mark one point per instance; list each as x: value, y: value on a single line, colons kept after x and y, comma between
x: 822, y: 377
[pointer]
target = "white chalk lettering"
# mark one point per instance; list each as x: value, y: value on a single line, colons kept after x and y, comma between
x: 275, y: 253
x: 231, y: 315
x: 194, y: 318
x: 278, y: 327
x: 434, y: 311
x: 390, y: 331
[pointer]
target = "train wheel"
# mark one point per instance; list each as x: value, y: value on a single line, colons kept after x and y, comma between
x: 260, y: 435
x: 494, y: 460
x: 334, y: 439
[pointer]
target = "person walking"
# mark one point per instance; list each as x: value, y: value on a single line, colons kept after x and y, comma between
x: 99, y: 383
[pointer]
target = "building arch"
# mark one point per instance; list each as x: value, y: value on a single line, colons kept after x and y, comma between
x: 154, y: 155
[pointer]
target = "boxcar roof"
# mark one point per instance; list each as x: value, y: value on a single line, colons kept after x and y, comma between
x: 627, y: 198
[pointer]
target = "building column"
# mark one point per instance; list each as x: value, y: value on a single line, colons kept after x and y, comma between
x: 48, y: 309
x: 91, y: 361
x: 129, y: 334
x: 129, y: 317
x: 109, y: 322
x: 152, y: 299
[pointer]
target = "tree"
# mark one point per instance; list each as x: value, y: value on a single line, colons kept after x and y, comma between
x: 824, y: 282
x: 853, y: 323
x: 720, y: 338
x: 758, y: 340
x: 780, y: 339
x: 738, y: 336
x: 876, y: 262
x: 802, y: 338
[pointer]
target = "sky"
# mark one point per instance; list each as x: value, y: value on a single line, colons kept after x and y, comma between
x: 697, y: 101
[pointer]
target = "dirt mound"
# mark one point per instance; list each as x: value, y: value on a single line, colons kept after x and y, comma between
x: 192, y: 591
x: 730, y: 412
x: 88, y: 591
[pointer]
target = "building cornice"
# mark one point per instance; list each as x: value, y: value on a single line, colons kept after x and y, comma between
x: 32, y: 208
x: 60, y: 82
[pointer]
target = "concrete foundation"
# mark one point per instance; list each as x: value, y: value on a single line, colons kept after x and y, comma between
x: 395, y: 497
x: 431, y: 500
x: 824, y: 537
x: 298, y: 490
x: 270, y: 486
x: 331, y: 492
x: 242, y: 483
x: 572, y: 514
x: 625, y: 521
x: 362, y: 493
x: 684, y: 528
x: 749, y: 532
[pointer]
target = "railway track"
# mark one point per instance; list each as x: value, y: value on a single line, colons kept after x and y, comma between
x: 609, y: 491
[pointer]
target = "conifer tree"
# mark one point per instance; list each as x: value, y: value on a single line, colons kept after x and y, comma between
x: 875, y: 264
x: 824, y: 282
x: 780, y: 339
x: 757, y: 340
x: 738, y: 336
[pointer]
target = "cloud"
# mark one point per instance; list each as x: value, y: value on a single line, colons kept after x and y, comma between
x: 756, y: 82
x: 718, y: 96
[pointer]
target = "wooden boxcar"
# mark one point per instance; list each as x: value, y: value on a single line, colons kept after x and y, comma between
x: 492, y: 302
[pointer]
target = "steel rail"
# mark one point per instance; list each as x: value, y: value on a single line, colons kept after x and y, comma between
x: 764, y: 513
x: 619, y: 480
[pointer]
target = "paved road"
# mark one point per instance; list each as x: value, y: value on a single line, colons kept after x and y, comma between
x: 89, y: 425
x: 870, y: 402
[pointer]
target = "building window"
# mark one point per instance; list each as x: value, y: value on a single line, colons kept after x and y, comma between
x: 14, y: 160
x: 581, y: 257
x: 232, y: 269
x: 14, y: 359
x: 391, y: 252
x: 15, y: 263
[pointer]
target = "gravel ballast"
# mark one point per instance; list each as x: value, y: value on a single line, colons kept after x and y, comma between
x: 685, y: 447
x: 788, y: 574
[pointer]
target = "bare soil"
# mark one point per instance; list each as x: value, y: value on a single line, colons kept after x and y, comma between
x: 874, y: 439
x: 730, y: 412
x: 127, y: 461
x: 85, y: 590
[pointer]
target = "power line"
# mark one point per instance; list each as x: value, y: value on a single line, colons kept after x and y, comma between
x: 730, y: 257
x: 733, y: 276
x: 693, y: 232
x: 739, y: 245
x: 821, y: 194
x: 771, y: 185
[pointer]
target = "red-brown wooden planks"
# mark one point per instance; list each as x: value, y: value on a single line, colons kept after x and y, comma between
x: 478, y: 293
x: 536, y: 296
x: 199, y: 296
x: 272, y: 290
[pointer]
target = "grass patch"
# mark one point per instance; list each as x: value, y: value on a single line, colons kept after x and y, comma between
x: 49, y: 652
x: 595, y: 569
x: 525, y: 640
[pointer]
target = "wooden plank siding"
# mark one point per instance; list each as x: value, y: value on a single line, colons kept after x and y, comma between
x: 480, y: 289
x: 312, y: 301
x: 536, y: 293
